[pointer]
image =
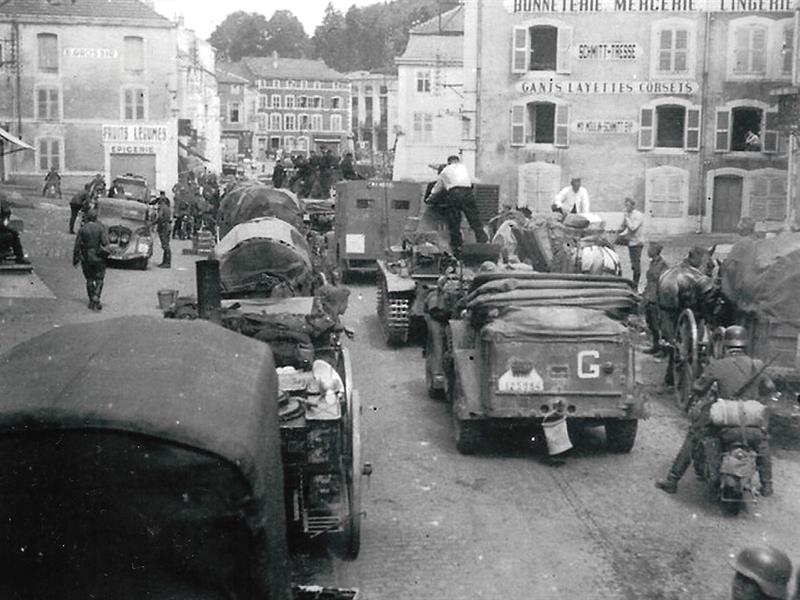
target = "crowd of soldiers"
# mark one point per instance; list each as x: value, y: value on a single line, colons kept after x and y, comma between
x: 196, y: 204
x: 313, y: 176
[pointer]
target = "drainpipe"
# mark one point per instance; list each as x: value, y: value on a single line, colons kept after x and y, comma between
x: 701, y: 174
x: 791, y: 212
x: 479, y: 44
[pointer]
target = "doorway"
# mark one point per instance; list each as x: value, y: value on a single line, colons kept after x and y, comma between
x: 727, y: 205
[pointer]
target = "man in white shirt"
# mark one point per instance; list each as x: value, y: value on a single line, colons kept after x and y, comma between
x: 455, y: 185
x: 572, y: 199
x: 631, y: 235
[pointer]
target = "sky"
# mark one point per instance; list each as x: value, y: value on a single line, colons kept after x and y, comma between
x: 204, y: 16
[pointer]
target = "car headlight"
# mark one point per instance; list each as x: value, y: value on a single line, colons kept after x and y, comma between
x: 113, y: 237
x: 124, y: 238
x: 143, y: 247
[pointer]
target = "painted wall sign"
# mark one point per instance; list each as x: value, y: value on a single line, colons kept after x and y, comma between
x: 91, y: 52
x: 588, y: 88
x: 646, y: 6
x: 604, y: 126
x: 131, y: 149
x: 157, y: 134
x: 610, y: 51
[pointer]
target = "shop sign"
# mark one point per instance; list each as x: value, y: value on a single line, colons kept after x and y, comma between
x: 133, y: 134
x: 646, y: 6
x: 91, y: 52
x: 604, y: 126
x: 608, y: 51
x: 131, y: 149
x: 555, y: 87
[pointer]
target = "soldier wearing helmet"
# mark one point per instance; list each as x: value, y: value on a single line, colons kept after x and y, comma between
x: 762, y: 573
x: 731, y: 373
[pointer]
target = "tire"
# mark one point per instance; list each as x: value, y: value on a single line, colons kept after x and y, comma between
x: 734, y: 505
x: 141, y: 264
x: 621, y: 435
x: 434, y: 393
x: 467, y: 434
x: 352, y: 529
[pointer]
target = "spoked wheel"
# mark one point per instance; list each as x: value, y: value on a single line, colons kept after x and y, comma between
x: 686, y: 362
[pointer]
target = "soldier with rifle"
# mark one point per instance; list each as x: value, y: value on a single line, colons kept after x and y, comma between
x: 737, y: 376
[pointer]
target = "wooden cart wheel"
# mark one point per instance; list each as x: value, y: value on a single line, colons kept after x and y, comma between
x: 353, y: 466
x: 686, y: 362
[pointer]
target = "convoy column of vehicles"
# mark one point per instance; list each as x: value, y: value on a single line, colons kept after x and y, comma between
x: 531, y: 345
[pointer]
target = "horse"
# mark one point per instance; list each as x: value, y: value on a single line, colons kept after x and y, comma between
x: 693, y: 284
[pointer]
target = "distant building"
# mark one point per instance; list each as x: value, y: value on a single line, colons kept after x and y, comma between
x: 97, y: 89
x: 430, y: 81
x: 237, y: 108
x: 668, y: 103
x: 374, y: 110
x: 199, y: 128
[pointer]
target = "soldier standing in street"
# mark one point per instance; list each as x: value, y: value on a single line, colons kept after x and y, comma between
x: 90, y: 251
x: 76, y: 205
x: 164, y: 228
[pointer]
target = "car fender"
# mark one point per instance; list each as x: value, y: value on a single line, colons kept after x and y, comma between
x: 467, y: 397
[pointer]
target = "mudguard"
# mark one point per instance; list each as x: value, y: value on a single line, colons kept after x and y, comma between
x: 395, y: 283
x: 467, y: 396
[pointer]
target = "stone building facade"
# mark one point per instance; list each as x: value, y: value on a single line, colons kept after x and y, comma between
x: 97, y: 90
x: 668, y: 102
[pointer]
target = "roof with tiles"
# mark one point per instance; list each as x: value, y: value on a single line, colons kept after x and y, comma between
x: 119, y: 10
x: 234, y: 72
x: 450, y: 22
x: 268, y: 67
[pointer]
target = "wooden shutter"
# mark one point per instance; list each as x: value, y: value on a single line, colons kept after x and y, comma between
x: 562, y: 126
x: 563, y: 58
x: 518, y: 125
x: 665, y: 192
x: 759, y: 189
x: 776, y: 204
x: 692, y: 129
x: 519, y: 50
x: 646, y: 129
x: 722, y: 140
x: 770, y: 138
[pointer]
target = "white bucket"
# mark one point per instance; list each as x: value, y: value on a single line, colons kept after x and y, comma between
x: 556, y: 434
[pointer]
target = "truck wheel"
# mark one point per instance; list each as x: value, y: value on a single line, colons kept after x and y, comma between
x: 621, y: 435
x: 141, y: 264
x: 434, y: 393
x: 467, y: 435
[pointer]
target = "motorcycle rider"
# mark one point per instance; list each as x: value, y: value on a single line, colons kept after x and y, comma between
x: 730, y: 373
x: 762, y: 573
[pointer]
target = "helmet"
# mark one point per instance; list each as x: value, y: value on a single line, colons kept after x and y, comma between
x: 770, y: 568
x: 735, y: 337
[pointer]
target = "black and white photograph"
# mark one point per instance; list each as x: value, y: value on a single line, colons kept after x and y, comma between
x: 394, y: 299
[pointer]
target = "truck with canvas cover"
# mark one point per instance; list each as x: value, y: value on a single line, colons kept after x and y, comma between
x: 413, y: 267
x: 142, y: 460
x: 253, y: 200
x: 532, y: 346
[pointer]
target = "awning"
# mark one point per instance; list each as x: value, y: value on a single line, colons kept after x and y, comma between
x: 192, y: 151
x: 327, y: 140
x: 14, y: 141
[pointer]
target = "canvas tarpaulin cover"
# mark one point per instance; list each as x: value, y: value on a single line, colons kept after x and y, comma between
x: 144, y: 440
x: 558, y: 321
x: 252, y: 201
x: 763, y: 276
x: 258, y: 254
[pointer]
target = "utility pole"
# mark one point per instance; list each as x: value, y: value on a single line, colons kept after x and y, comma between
x: 15, y: 62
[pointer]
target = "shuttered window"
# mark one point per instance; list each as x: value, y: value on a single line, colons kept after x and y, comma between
x: 538, y: 183
x: 673, y: 50
x: 787, y: 50
x: 750, y: 50
x: 693, y: 129
x: 666, y: 193
x: 544, y: 47
x: 517, y: 125
x: 540, y: 122
x: 768, y: 197
x: 723, y: 129
x: 646, y: 128
x: 562, y: 126
x: 770, y: 138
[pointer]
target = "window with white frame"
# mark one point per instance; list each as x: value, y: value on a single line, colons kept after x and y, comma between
x: 50, y: 152
x: 336, y: 103
x: 768, y: 195
x: 288, y: 142
x: 302, y: 102
x: 316, y: 102
x: 275, y: 122
x: 316, y: 122
x: 303, y: 83
x: 748, y: 47
x: 302, y: 122
x: 543, y: 45
x: 673, y: 43
x: 288, y: 101
x: 317, y: 85
x: 276, y: 83
x: 422, y: 128
x: 48, y: 103
x: 47, y: 47
x: 289, y: 123
x: 423, y: 82
x: 234, y: 112
x: 275, y: 101
x: 746, y: 126
x: 134, y: 104
x: 133, y: 55
x: 262, y: 102
x: 669, y: 123
x: 262, y: 122
x: 336, y: 122
x: 540, y: 122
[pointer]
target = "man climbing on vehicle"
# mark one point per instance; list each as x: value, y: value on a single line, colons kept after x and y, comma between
x: 736, y: 375
x: 455, y: 186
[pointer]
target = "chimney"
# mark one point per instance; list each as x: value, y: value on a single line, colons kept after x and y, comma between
x: 274, y: 59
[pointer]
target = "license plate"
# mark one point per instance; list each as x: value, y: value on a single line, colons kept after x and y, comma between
x: 509, y: 383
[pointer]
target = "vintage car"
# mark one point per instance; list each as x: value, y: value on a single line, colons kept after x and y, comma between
x: 129, y: 230
x: 131, y: 187
x: 136, y: 470
x: 532, y: 346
